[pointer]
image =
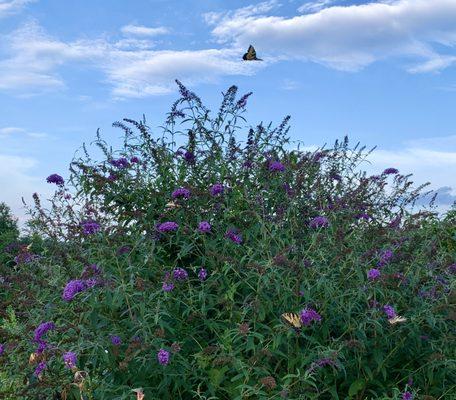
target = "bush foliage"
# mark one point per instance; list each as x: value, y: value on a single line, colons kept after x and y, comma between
x: 165, y: 266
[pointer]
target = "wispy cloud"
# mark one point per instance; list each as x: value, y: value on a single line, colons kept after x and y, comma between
x: 9, y: 7
x: 14, y: 131
x: 314, y: 6
x: 349, y: 37
x: 35, y: 60
x: 141, y: 30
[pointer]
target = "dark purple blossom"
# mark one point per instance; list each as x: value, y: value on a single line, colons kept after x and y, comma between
x: 276, y: 166
x: 168, y: 226
x: 204, y: 227
x: 308, y: 315
x: 70, y: 359
x: 242, y: 102
x: 373, y: 274
x: 116, y: 340
x: 189, y: 157
x: 2, y: 349
x: 119, y: 163
x: 389, y: 311
x: 217, y: 189
x: 202, y: 274
x: 390, y: 171
x: 163, y: 357
x: 72, y: 288
x: 180, y: 274
x: 407, y: 395
x: 319, y: 222
x: 90, y: 227
x: 233, y: 236
x: 40, y: 368
x: 181, y: 193
x: 134, y: 160
x: 55, y: 178
x: 42, y: 329
x: 168, y: 287
x: 385, y: 257
x: 25, y: 258
x: 363, y: 216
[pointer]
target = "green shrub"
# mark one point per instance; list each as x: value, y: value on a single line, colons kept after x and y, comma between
x: 283, y: 230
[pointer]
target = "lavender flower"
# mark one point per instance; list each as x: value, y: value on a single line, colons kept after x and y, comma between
x: 204, y: 227
x: 163, y: 357
x: 168, y: 226
x: 236, y: 238
x: 407, y: 395
x: 319, y: 222
x: 385, y: 257
x: 390, y: 171
x: 189, y: 157
x: 373, y: 274
x: 181, y: 193
x: 217, y: 189
x: 389, y: 311
x: 2, y: 349
x: 242, y: 102
x: 168, y: 287
x: 308, y: 315
x: 180, y: 274
x: 202, y: 274
x: 116, y: 340
x: 72, y: 288
x: 119, y: 163
x: 90, y: 227
x: 42, y: 329
x: 276, y: 166
x: 40, y: 368
x: 70, y: 359
x: 55, y: 178
x: 134, y: 160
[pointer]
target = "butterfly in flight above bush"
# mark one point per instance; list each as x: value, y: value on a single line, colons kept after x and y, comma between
x: 397, y: 319
x: 251, y: 55
x: 292, y: 319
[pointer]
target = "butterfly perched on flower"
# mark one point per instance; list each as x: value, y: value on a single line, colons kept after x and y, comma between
x: 397, y: 319
x: 292, y: 319
x: 251, y: 55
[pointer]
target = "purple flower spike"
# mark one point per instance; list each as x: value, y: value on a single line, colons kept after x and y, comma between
x: 90, y: 227
x: 180, y: 274
x: 204, y: 227
x: 116, y: 340
x: 390, y: 171
x: 163, y: 357
x: 72, y: 288
x: 168, y: 226
x: 2, y: 349
x: 70, y: 359
x: 308, y: 315
x: 55, y: 178
x: 276, y: 166
x: 407, y: 396
x: 230, y: 234
x: 202, y: 274
x: 181, y: 193
x: 319, y: 222
x: 373, y: 274
x: 217, y: 189
x: 40, y: 368
x: 42, y: 329
x: 167, y: 287
x: 389, y: 311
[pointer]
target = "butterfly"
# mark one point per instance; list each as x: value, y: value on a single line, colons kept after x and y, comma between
x: 251, y: 55
x: 292, y: 319
x: 397, y: 319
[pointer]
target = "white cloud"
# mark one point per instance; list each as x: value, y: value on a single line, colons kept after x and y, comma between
x: 9, y: 7
x: 141, y: 30
x: 349, y: 37
x: 35, y: 59
x: 14, y: 131
x: 314, y: 6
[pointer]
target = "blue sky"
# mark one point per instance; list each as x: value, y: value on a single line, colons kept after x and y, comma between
x: 384, y: 73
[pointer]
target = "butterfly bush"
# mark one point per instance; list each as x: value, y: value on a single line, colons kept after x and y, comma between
x: 186, y: 301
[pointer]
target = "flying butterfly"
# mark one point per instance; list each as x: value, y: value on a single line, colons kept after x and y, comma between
x: 292, y: 319
x: 397, y: 319
x: 251, y: 55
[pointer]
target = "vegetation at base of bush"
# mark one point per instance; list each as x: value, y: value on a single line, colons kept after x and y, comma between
x: 166, y: 266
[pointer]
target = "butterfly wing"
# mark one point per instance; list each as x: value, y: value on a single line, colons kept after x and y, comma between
x: 292, y: 319
x: 397, y: 319
x: 251, y: 54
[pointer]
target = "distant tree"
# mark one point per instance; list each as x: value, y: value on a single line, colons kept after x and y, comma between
x: 9, y: 231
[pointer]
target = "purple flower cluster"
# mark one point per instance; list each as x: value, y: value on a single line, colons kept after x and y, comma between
x: 180, y: 274
x: 90, y: 227
x: 163, y: 357
x: 407, y: 395
x: 389, y: 311
x: 390, y: 171
x: 25, y: 257
x: 119, y: 163
x: 216, y: 189
x: 319, y: 222
x: 167, y: 286
x: 276, y: 166
x: 70, y: 359
x: 40, y: 368
x: 308, y: 315
x: 55, y: 178
x: 233, y: 236
x: 373, y: 274
x: 116, y: 340
x: 202, y: 274
x: 2, y: 349
x: 72, y: 288
x: 385, y: 257
x: 181, y: 193
x: 204, y: 227
x: 189, y: 157
x: 40, y: 331
x: 168, y: 226
x: 134, y: 160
